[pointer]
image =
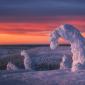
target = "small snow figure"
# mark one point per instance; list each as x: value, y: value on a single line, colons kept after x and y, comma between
x: 11, y: 67
x: 77, y: 42
x: 65, y: 63
x: 27, y: 60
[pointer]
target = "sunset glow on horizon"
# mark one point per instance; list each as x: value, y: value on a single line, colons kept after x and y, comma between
x: 31, y: 33
x: 31, y: 22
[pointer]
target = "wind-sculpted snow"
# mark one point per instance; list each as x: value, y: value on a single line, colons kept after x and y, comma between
x: 41, y: 61
x: 47, y: 61
x: 42, y: 58
x: 76, y: 40
x: 27, y: 60
x: 11, y: 67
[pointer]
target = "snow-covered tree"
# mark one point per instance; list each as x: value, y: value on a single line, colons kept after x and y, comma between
x: 11, y: 67
x: 73, y: 35
x: 27, y: 60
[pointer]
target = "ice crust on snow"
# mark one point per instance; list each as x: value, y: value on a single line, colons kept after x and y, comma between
x: 27, y: 60
x: 11, y: 67
x: 73, y: 35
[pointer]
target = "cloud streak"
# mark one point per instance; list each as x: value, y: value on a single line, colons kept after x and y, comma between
x: 26, y: 27
x: 41, y: 8
x: 30, y: 21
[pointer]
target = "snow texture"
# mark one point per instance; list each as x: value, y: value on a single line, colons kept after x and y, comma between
x: 11, y: 67
x: 73, y: 35
x: 27, y: 60
x: 54, y: 77
x: 49, y: 77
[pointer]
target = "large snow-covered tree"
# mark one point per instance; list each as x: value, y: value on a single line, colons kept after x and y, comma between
x: 73, y: 35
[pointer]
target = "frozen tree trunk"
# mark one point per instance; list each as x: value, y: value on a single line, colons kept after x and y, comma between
x: 11, y: 67
x: 77, y: 42
x: 27, y: 60
x: 66, y: 62
x: 78, y: 51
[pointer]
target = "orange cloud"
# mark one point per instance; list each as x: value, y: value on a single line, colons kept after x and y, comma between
x: 34, y: 32
x: 23, y: 39
x: 21, y: 28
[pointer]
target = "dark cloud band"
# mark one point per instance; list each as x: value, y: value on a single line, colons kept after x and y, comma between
x: 40, y: 8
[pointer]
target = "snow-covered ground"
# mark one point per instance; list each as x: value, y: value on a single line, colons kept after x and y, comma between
x: 38, y: 56
x: 54, y: 77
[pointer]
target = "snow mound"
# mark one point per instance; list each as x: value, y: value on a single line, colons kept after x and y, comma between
x: 27, y: 60
x: 73, y: 35
x: 11, y: 67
